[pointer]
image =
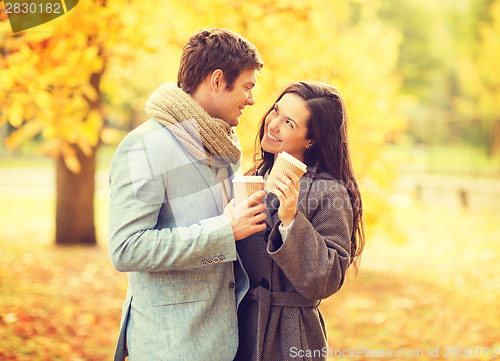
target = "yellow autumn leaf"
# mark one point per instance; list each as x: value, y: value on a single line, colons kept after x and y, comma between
x: 70, y: 158
x: 42, y: 98
x: 27, y: 131
x: 15, y: 115
x: 6, y: 79
x: 87, y: 318
x: 91, y: 127
x: 83, y: 144
x: 3, y: 118
x: 111, y: 136
x: 89, y: 91
x: 51, y: 148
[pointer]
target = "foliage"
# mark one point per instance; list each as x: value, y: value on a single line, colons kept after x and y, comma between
x: 47, y: 83
x: 448, y: 66
x: 343, y: 43
x: 489, y: 74
x: 50, y: 87
x: 50, y: 80
x: 418, y: 63
x: 478, y: 76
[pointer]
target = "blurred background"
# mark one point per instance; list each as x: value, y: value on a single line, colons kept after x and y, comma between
x: 422, y: 84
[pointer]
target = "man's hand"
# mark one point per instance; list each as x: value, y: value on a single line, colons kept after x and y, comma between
x: 247, y: 217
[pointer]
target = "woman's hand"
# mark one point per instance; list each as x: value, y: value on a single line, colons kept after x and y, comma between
x: 286, y: 189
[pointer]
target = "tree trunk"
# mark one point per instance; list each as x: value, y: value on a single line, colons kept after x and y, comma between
x: 75, y: 191
x: 75, y: 202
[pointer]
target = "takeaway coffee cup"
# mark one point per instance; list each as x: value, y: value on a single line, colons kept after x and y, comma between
x: 283, y: 162
x: 246, y: 185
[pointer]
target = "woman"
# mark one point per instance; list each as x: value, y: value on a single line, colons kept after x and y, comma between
x: 314, y: 228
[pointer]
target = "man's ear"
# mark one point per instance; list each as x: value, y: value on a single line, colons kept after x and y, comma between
x: 217, y: 80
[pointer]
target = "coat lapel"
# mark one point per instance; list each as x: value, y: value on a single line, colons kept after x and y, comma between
x: 272, y: 203
x: 305, y: 188
x: 213, y: 183
x: 209, y: 179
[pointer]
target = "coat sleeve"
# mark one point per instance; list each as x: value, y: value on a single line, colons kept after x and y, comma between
x: 316, y: 253
x: 136, y: 242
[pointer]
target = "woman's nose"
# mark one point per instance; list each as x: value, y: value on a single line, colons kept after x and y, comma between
x: 274, y: 124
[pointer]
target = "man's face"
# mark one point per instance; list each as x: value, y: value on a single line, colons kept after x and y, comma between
x: 228, y: 104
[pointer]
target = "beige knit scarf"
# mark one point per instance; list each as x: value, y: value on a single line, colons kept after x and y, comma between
x: 210, y: 140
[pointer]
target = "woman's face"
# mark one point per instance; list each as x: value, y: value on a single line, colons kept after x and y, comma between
x: 285, y: 127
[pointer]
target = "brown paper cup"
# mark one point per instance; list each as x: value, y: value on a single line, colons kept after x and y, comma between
x: 245, y: 186
x: 283, y: 162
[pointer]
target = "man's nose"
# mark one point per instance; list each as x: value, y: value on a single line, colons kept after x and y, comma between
x: 250, y: 100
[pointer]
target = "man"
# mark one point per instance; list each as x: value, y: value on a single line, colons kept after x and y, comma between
x: 170, y: 226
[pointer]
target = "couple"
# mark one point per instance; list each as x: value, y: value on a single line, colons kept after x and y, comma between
x: 209, y: 280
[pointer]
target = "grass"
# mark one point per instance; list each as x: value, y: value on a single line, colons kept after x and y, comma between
x: 430, y: 283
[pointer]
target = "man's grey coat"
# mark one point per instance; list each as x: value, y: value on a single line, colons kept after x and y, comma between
x: 166, y: 229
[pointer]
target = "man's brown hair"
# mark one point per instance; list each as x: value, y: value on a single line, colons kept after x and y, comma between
x: 216, y: 48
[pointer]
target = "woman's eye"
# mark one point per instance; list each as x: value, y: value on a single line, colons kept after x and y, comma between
x: 289, y: 123
x: 275, y: 109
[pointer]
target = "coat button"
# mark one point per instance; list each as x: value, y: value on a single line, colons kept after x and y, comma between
x: 264, y: 283
x: 231, y: 285
x: 204, y: 262
x: 216, y: 259
x: 221, y: 258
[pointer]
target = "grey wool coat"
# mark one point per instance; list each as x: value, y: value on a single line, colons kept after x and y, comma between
x: 278, y: 317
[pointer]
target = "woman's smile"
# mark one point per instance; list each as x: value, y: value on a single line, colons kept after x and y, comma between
x: 271, y: 137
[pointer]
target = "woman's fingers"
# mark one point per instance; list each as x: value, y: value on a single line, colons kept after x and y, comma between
x: 294, y: 178
x: 288, y: 185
